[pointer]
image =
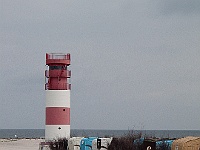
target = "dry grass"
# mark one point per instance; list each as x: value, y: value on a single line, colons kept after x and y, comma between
x: 126, y: 142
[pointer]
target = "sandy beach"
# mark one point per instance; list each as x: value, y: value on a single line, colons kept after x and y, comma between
x: 20, y: 144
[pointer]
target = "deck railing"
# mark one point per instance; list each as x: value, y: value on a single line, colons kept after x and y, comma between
x: 64, y: 86
x: 58, y: 56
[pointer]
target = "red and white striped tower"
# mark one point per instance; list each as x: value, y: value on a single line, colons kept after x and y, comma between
x: 57, y: 96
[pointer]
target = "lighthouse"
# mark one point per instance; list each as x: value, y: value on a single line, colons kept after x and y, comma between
x: 57, y: 87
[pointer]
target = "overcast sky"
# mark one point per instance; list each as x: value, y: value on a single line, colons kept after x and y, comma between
x: 135, y: 63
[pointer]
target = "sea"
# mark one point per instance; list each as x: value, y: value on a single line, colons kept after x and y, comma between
x: 40, y: 133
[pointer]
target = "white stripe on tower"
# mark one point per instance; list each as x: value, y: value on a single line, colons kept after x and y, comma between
x: 58, y: 98
x: 57, y: 114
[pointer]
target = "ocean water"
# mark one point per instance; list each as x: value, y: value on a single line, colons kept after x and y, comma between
x: 39, y: 133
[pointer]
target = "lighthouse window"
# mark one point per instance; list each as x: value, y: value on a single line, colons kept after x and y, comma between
x: 63, y: 109
x: 55, y: 67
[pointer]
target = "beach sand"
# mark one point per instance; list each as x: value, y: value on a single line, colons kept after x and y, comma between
x: 20, y: 144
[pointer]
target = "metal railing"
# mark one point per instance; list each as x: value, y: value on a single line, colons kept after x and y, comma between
x: 64, y: 86
x: 58, y: 73
x: 58, y: 56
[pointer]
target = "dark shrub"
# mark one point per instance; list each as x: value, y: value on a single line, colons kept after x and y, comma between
x: 126, y: 142
x: 60, y: 144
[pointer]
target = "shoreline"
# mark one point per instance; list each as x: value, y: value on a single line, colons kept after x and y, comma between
x: 20, y: 143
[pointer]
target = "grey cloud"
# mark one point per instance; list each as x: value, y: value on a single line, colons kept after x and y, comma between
x: 183, y: 7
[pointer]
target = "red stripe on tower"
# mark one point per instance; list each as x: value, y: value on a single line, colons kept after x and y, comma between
x: 57, y: 116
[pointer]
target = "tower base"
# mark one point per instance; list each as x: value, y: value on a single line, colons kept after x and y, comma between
x: 54, y: 132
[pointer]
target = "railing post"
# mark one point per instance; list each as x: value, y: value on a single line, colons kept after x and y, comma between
x: 68, y: 56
